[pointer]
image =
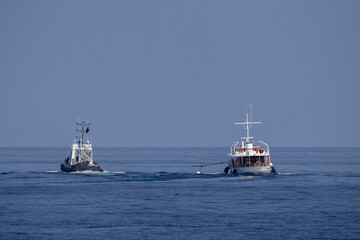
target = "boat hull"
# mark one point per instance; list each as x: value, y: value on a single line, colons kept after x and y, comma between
x: 265, y: 170
x: 254, y: 170
x: 80, y: 167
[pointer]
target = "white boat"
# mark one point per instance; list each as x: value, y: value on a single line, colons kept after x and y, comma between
x: 248, y: 158
x: 81, y: 155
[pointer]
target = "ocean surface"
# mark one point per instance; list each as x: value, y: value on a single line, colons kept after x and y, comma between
x: 155, y: 193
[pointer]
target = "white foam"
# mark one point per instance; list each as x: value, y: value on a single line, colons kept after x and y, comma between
x: 119, y: 172
x: 53, y: 171
x: 287, y: 174
x: 90, y: 172
x: 247, y: 177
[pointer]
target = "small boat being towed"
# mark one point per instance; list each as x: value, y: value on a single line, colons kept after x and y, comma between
x: 248, y: 158
x: 81, y: 156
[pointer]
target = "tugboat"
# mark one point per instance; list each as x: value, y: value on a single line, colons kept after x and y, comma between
x: 248, y: 158
x: 81, y: 156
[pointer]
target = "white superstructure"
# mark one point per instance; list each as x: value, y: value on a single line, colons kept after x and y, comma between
x: 247, y: 158
x: 81, y: 156
x: 81, y: 152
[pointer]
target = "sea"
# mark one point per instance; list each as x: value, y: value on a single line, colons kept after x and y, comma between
x: 156, y: 193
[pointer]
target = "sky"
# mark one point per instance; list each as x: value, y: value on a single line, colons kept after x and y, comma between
x: 180, y: 73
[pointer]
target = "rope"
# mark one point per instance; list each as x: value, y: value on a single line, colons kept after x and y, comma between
x: 202, y: 165
x: 210, y: 164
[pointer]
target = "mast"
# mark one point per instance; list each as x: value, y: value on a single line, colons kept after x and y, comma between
x: 83, y: 125
x: 247, y: 125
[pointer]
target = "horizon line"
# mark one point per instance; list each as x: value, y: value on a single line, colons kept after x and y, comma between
x: 177, y: 147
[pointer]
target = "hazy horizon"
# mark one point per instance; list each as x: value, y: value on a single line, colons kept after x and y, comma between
x: 94, y: 147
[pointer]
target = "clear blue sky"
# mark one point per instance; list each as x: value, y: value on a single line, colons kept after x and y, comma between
x: 179, y: 73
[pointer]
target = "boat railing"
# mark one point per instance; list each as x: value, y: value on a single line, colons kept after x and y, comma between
x: 233, y: 147
x: 261, y: 161
x: 262, y: 151
x: 257, y: 164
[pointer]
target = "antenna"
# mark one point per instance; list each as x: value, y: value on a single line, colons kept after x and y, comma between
x: 247, y: 126
x: 83, y: 125
x: 250, y: 106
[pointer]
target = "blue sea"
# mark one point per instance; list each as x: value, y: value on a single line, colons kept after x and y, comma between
x: 155, y: 193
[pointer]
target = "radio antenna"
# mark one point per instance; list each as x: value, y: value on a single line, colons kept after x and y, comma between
x: 84, y: 130
x: 247, y: 125
x: 250, y: 106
